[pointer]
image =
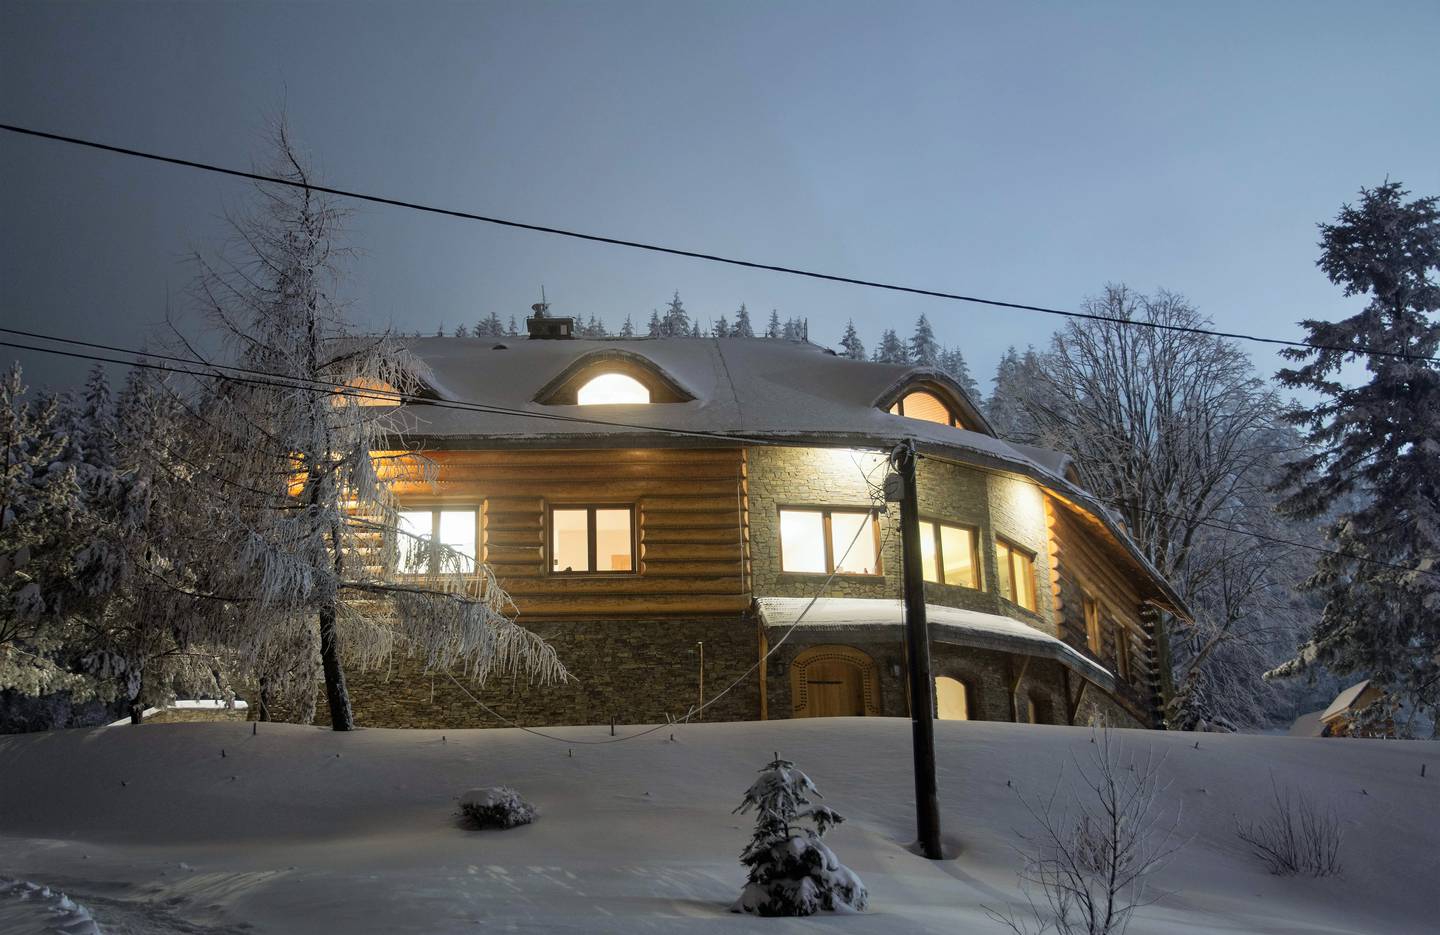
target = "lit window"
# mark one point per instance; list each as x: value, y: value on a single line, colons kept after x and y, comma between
x: 611, y: 389
x: 952, y: 702
x: 362, y: 391
x: 922, y: 404
x: 1017, y: 573
x: 592, y: 539
x: 454, y: 530
x: 948, y: 554
x: 824, y: 541
x: 1092, y: 623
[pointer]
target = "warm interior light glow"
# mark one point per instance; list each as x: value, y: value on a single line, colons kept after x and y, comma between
x: 846, y: 528
x: 958, y: 547
x: 380, y: 393
x: 950, y: 701
x: 802, y: 541
x: 927, y: 406
x: 414, y: 555
x: 457, y: 531
x: 928, y: 563
x: 613, y: 540
x: 611, y: 389
x: 569, y: 540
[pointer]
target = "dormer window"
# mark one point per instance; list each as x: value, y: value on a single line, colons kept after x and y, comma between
x: 923, y: 404
x: 610, y: 389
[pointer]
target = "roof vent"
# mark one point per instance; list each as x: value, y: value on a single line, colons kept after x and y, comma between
x: 542, y: 326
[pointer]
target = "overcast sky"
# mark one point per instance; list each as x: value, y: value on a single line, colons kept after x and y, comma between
x: 1025, y: 151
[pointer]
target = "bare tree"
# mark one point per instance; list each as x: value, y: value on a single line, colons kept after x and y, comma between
x: 1174, y: 430
x: 1089, y: 860
x: 295, y: 462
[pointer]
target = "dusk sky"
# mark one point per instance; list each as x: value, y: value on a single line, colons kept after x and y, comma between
x: 1027, y: 152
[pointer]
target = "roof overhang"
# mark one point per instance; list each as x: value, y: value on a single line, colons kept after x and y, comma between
x: 875, y: 617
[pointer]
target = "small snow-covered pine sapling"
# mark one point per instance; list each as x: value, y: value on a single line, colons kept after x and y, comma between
x: 791, y: 872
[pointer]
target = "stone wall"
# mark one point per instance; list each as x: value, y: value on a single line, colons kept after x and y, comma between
x: 639, y: 671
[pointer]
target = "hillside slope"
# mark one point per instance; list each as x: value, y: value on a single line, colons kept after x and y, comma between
x: 297, y: 829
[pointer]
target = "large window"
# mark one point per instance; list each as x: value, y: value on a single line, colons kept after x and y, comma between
x: 1017, y: 573
x: 420, y: 530
x: 922, y: 404
x: 948, y: 554
x: 819, y: 541
x: 609, y: 389
x: 592, y: 539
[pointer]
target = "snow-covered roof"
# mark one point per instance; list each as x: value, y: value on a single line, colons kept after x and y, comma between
x: 1345, y: 700
x: 751, y: 389
x: 841, y: 615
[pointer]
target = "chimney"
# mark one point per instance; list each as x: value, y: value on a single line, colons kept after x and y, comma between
x: 542, y: 326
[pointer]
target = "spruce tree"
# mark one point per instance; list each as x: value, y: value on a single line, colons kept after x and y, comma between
x: 656, y: 327
x: 924, y: 349
x: 1019, y: 380
x: 952, y: 361
x: 742, y: 327
x: 627, y: 330
x: 676, y: 322
x: 514, y: 330
x: 461, y: 331
x: 891, y: 350
x: 791, y: 872
x: 721, y: 329
x: 850, y: 344
x: 772, y: 330
x: 1374, y: 457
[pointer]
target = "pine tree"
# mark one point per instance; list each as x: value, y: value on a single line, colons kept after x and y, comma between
x: 514, y: 330
x: 1374, y: 456
x: 1019, y: 381
x: 790, y: 871
x: 721, y: 328
x: 850, y: 344
x: 676, y: 321
x: 773, y: 330
x: 595, y: 328
x: 461, y: 331
x: 656, y: 328
x: 493, y: 326
x: 695, y: 329
x: 952, y: 361
x: 891, y: 350
x: 924, y: 349
x: 440, y: 332
x: 627, y: 330
x: 742, y: 327
x: 793, y: 330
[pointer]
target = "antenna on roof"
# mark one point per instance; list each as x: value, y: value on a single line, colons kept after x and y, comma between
x: 541, y: 307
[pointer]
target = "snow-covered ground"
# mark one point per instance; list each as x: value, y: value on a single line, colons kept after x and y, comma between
x: 302, y: 830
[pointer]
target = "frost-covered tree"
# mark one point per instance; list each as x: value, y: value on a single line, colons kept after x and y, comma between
x: 595, y: 328
x: 675, y: 323
x: 790, y: 870
x: 489, y: 327
x: 795, y: 329
x: 695, y: 329
x: 952, y: 361
x: 1373, y: 457
x: 1019, y: 384
x: 742, y: 328
x: 1175, y: 432
x: 721, y: 328
x: 923, y: 348
x: 773, y: 329
x: 303, y: 532
x: 890, y: 350
x: 656, y: 327
x: 850, y: 344
x: 513, y: 331
x: 627, y: 330
x: 39, y: 504
x: 462, y: 331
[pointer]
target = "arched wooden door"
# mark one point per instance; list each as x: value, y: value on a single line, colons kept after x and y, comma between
x: 833, y: 681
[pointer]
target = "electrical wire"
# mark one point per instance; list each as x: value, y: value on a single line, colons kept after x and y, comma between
x: 698, y: 255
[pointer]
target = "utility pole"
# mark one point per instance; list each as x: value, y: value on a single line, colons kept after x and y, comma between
x: 917, y: 646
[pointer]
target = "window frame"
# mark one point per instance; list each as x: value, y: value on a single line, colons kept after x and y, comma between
x: 1094, y: 631
x: 1123, y: 663
x: 598, y: 374
x: 590, y: 506
x: 829, y: 539
x: 897, y: 408
x: 1012, y: 597
x: 435, y: 509
x: 975, y: 564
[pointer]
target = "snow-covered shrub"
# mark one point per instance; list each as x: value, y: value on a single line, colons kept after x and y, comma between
x: 1295, y: 837
x: 791, y: 871
x: 496, y: 807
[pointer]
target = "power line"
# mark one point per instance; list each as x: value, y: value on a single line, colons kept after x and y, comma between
x: 699, y: 255
x: 258, y: 378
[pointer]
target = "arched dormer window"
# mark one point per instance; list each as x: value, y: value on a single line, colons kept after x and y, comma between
x: 608, y: 389
x: 923, y: 404
x: 612, y: 377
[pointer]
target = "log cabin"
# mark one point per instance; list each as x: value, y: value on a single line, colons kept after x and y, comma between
x: 665, y: 566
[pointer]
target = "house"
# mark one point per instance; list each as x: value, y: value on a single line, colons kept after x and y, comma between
x: 665, y: 566
x: 1335, y: 721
